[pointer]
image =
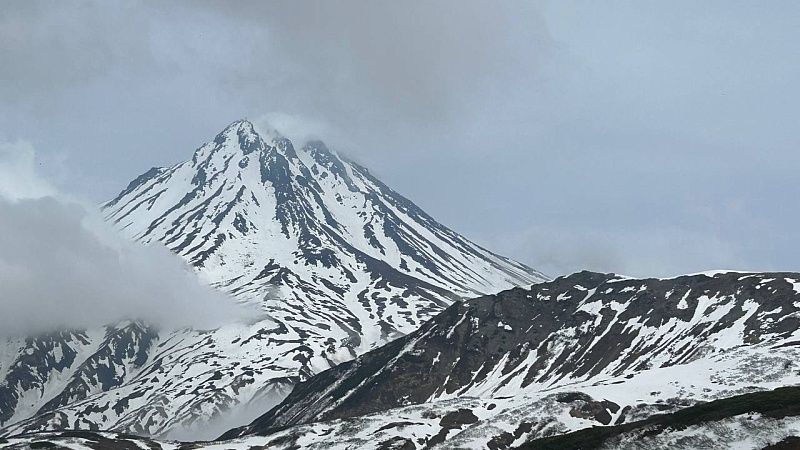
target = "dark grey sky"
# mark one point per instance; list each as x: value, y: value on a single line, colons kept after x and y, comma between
x: 639, y: 137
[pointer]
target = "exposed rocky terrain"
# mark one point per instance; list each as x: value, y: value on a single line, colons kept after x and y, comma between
x: 768, y: 420
x: 584, y: 350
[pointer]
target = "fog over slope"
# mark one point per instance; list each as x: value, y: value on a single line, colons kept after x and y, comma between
x: 61, y: 266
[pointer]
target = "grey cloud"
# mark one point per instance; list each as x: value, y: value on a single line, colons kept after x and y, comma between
x: 639, y: 252
x: 405, y: 59
x: 50, y: 47
x: 57, y: 272
x: 62, y: 266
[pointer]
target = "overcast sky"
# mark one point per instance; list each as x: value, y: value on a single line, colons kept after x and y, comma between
x: 635, y: 137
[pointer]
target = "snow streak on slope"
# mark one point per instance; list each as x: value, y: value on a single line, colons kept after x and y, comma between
x: 338, y: 262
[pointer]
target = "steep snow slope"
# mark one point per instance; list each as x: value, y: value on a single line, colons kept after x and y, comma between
x: 338, y: 263
x: 254, y: 214
x: 583, y: 350
x: 314, y: 237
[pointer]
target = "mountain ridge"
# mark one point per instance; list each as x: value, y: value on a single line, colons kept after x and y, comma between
x: 583, y: 350
x: 587, y: 360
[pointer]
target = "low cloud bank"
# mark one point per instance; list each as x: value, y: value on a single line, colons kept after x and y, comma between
x: 61, y: 266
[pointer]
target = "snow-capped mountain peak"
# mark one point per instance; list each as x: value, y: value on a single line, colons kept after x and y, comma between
x: 339, y: 263
x: 325, y: 206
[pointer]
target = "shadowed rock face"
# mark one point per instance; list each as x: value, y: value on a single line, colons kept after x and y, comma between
x: 586, y: 326
x: 770, y: 417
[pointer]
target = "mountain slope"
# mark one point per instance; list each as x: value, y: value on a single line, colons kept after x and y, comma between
x: 314, y: 237
x: 766, y: 420
x: 522, y: 367
x: 583, y: 350
x: 338, y: 262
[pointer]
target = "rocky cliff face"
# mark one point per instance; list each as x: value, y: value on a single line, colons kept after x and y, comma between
x: 583, y: 350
